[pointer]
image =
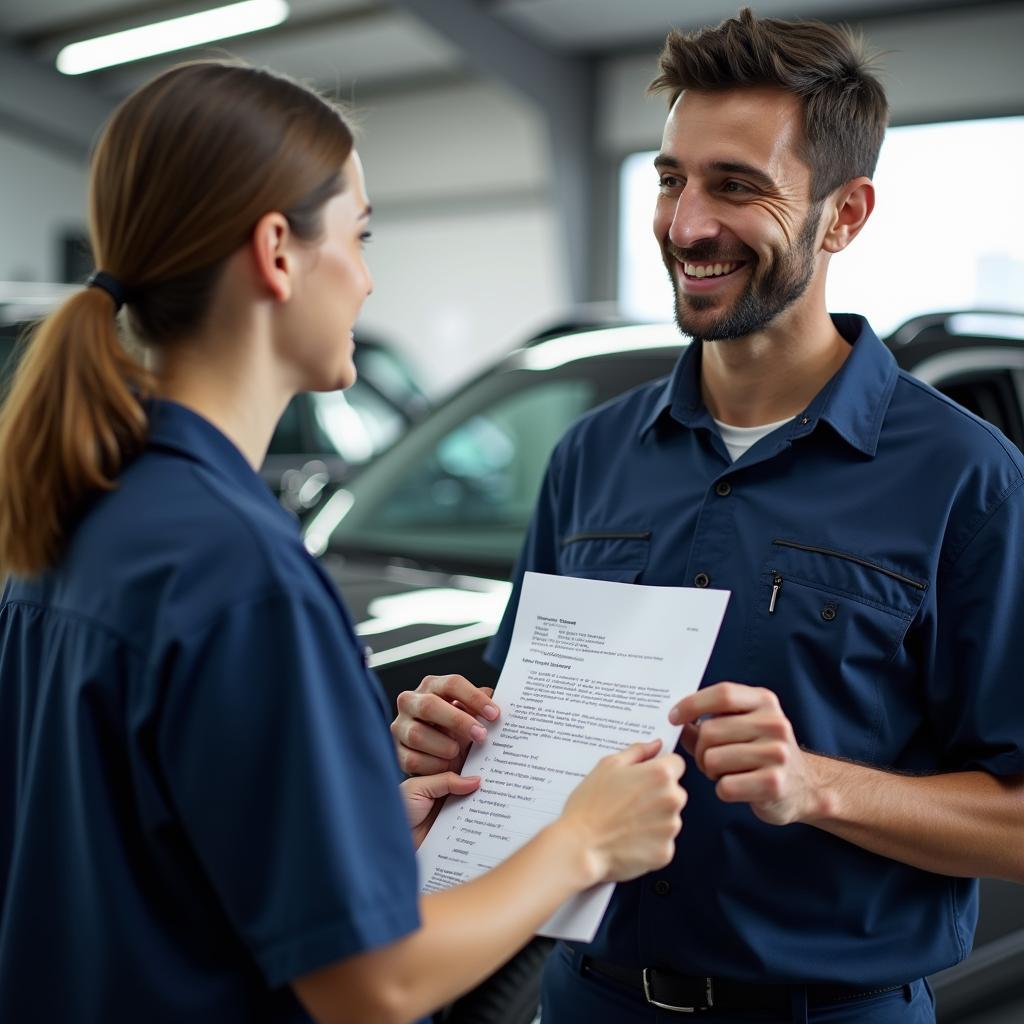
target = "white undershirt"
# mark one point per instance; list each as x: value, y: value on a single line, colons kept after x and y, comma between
x: 739, y: 439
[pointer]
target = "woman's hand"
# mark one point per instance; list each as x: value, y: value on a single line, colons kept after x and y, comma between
x: 424, y: 796
x: 627, y: 812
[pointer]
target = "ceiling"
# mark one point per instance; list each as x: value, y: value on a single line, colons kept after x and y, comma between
x: 360, y: 46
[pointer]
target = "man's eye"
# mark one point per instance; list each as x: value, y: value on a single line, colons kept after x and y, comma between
x: 735, y: 187
x: 669, y: 181
x: 365, y: 237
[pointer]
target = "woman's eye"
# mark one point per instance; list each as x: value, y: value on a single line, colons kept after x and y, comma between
x: 365, y: 237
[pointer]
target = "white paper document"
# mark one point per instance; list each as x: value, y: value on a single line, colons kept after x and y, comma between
x: 593, y: 666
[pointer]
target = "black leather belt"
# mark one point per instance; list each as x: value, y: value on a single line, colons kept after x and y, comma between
x: 682, y: 994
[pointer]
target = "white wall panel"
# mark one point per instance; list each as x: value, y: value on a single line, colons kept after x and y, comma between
x: 41, y: 194
x: 454, y: 292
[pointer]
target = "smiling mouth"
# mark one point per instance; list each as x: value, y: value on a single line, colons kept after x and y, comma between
x: 699, y: 271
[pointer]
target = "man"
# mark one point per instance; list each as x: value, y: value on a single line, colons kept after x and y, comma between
x: 859, y: 735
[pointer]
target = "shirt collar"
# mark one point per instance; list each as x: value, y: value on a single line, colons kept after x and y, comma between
x: 177, y: 429
x: 853, y: 402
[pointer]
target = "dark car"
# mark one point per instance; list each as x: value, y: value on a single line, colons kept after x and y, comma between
x: 323, y: 437
x: 423, y: 540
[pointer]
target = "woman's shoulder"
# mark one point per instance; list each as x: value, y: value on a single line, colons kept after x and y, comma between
x: 175, y: 540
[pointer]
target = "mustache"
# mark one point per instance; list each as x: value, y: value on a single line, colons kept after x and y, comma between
x: 708, y: 251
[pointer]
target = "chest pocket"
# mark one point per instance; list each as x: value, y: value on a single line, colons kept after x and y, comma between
x: 616, y: 555
x: 828, y: 637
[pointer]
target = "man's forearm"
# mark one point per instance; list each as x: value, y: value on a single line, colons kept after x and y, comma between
x: 968, y: 824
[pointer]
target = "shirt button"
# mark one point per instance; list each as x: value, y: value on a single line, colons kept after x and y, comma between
x: 828, y: 613
x: 662, y: 887
x: 723, y: 488
x: 702, y: 579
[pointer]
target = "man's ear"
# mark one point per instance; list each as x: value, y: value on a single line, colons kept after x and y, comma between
x: 272, y: 257
x: 850, y: 207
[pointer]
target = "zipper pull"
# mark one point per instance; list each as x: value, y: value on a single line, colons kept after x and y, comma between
x: 776, y: 587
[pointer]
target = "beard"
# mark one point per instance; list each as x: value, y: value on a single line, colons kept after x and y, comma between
x: 763, y: 299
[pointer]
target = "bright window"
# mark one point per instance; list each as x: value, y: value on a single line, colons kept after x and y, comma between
x: 947, y: 231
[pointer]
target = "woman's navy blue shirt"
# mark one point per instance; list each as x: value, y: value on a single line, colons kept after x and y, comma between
x: 198, y: 792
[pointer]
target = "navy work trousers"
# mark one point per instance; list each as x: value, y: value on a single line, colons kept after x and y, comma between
x: 569, y: 997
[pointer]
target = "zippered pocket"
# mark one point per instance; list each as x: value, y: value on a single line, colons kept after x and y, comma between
x: 843, y: 575
x: 577, y: 537
x: 856, y: 559
x: 828, y: 636
x: 620, y: 556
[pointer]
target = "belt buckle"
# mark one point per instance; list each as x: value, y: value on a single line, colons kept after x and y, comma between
x: 709, y: 997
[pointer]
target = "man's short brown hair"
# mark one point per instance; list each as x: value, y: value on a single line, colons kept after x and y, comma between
x: 844, y: 104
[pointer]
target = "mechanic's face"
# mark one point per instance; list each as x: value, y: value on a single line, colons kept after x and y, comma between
x: 737, y: 229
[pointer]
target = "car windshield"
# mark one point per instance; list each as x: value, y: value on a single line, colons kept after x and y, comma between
x: 459, y: 489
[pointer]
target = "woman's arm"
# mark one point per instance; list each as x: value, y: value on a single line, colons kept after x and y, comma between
x: 620, y: 822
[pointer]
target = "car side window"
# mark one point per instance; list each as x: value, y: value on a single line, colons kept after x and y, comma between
x: 486, y: 471
x: 994, y: 395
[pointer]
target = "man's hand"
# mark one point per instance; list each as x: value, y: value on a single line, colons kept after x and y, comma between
x: 742, y: 741
x: 424, y: 798
x: 437, y: 722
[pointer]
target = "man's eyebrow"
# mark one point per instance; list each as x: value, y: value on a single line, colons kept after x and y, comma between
x: 747, y: 170
x: 722, y: 167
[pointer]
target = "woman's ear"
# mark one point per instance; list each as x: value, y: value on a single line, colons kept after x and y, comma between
x: 272, y: 257
x: 852, y: 205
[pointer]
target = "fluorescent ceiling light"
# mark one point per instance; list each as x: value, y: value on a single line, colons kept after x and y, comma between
x: 174, y: 34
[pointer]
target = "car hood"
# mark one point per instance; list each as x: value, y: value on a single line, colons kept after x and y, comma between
x: 403, y: 612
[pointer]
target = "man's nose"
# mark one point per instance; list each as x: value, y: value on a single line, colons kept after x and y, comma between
x: 693, y: 219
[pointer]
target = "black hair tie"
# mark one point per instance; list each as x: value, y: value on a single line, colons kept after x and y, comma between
x: 109, y: 284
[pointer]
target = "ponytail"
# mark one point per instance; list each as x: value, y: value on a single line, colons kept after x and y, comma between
x: 72, y: 418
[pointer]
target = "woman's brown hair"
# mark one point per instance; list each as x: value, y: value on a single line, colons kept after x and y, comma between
x: 181, y: 174
x: 845, y: 109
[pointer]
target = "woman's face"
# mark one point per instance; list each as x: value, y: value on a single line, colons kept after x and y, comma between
x: 332, y: 290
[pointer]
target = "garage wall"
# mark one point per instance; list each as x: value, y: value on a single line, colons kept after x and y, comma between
x: 466, y: 255
x: 941, y: 67
x: 42, y: 194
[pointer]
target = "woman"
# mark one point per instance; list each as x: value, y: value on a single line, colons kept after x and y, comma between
x: 199, y: 804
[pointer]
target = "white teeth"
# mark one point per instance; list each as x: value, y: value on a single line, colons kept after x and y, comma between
x: 711, y: 270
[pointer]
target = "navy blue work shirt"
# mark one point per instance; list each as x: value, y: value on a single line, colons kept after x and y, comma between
x: 198, y: 791
x: 889, y: 523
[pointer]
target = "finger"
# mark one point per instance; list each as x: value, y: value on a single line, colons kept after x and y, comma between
x: 637, y: 752
x: 476, y: 700
x: 763, y: 725
x: 445, y: 783
x: 691, y: 734
x: 726, y: 729
x: 674, y: 763
x: 765, y: 785
x: 720, y: 699
x: 416, y: 735
x: 743, y: 757
x: 412, y: 762
x: 434, y: 711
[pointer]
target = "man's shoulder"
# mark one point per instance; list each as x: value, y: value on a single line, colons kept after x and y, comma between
x: 950, y: 430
